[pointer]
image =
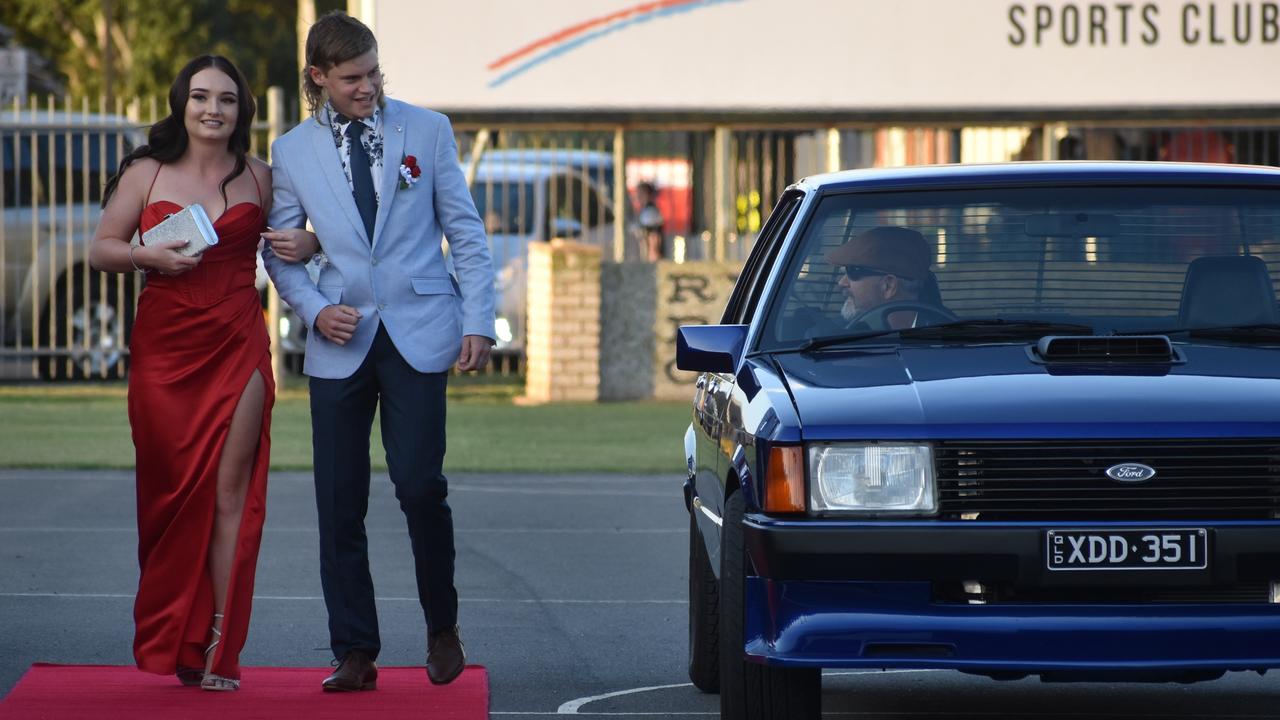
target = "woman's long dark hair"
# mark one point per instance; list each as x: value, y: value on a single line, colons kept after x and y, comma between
x: 167, y: 140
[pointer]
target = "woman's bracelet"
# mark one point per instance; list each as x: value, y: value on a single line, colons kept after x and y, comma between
x: 135, y: 264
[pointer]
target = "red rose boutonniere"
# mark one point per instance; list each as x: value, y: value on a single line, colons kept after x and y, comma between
x: 409, y: 172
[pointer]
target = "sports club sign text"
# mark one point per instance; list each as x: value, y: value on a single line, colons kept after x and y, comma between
x: 1125, y: 24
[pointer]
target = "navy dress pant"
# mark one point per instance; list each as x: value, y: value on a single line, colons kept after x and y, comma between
x: 413, y: 422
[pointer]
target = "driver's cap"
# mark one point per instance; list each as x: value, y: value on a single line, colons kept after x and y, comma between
x: 896, y: 250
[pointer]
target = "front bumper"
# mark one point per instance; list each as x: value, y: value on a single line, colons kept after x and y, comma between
x: 864, y: 594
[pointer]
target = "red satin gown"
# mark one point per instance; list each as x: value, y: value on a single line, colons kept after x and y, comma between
x: 196, y: 342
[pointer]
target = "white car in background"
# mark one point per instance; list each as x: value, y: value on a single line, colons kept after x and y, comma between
x: 528, y: 196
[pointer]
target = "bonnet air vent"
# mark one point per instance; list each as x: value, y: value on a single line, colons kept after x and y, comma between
x: 1110, y: 348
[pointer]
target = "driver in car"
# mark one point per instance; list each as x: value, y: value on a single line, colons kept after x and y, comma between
x: 882, y: 265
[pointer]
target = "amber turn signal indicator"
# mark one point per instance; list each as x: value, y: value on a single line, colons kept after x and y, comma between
x: 784, y: 480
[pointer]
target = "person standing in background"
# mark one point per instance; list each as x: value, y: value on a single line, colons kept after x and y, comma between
x: 650, y: 223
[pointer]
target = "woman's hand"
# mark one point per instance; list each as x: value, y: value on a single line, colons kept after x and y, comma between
x: 292, y: 244
x: 164, y: 259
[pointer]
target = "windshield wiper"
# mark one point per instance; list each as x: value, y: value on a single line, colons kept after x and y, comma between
x: 819, y: 343
x: 997, y: 328
x: 988, y: 328
x: 1259, y: 331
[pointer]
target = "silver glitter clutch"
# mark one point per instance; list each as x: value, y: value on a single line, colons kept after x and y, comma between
x: 191, y: 224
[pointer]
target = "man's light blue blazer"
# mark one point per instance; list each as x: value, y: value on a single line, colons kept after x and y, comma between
x: 399, y: 278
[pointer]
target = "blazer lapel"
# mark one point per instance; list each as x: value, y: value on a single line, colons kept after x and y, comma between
x: 331, y: 168
x: 393, y: 133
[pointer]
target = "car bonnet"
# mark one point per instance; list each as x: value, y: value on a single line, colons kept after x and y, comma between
x: 1002, y: 391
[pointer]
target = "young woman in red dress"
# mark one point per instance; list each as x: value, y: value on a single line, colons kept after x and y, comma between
x: 200, y: 383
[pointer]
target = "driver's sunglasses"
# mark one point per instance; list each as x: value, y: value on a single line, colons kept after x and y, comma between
x: 857, y: 272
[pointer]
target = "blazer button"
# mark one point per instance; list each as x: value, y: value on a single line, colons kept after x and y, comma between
x: 382, y: 306
x: 374, y: 261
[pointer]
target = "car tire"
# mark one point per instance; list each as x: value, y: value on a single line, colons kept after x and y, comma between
x: 750, y: 691
x: 704, y: 614
x: 94, y: 327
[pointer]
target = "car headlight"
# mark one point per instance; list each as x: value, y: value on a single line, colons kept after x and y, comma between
x: 873, y: 479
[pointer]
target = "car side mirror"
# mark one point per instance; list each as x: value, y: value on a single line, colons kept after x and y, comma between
x: 710, y: 348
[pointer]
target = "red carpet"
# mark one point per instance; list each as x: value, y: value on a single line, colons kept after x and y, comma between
x: 55, y: 692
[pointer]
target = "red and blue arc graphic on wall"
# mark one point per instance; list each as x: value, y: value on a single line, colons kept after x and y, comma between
x: 566, y: 40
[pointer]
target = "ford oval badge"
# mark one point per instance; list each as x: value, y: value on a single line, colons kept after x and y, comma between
x: 1131, y: 472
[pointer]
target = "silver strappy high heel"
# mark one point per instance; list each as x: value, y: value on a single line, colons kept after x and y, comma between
x: 213, y: 681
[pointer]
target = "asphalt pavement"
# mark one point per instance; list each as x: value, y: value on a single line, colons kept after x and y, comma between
x: 572, y: 595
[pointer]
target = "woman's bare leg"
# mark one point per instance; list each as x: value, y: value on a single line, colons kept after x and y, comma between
x: 234, y: 470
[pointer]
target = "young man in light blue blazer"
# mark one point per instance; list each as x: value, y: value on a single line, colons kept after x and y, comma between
x: 380, y: 183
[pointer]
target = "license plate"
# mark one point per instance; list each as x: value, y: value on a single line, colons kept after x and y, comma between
x: 1163, y: 549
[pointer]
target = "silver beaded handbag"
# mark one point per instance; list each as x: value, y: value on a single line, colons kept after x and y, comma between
x: 191, y: 224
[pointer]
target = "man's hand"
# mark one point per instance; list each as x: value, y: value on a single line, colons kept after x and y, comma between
x: 475, y: 352
x: 338, y: 323
x: 292, y: 244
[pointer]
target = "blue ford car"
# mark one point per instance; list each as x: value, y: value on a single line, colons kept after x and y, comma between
x: 1010, y: 420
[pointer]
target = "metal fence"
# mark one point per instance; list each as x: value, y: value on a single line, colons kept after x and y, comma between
x: 712, y: 186
x: 58, y: 318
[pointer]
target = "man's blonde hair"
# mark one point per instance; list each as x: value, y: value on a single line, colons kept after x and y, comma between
x: 332, y: 40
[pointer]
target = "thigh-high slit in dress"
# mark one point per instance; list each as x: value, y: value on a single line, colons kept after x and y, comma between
x: 196, y: 343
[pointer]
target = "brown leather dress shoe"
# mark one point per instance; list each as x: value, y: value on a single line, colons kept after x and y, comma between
x: 357, y: 671
x: 445, y: 656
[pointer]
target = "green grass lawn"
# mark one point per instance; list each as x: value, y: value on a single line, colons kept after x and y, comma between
x: 86, y: 426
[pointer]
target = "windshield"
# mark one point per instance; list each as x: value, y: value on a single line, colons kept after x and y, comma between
x: 506, y: 206
x: 1002, y: 263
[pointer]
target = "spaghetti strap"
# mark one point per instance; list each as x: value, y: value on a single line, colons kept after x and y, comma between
x: 153, y: 184
x: 256, y: 187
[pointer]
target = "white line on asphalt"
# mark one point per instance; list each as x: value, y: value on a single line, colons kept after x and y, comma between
x: 942, y: 714
x: 459, y: 479
x: 674, y: 492
x: 299, y: 598
x: 517, y: 486
x: 664, y: 479
x: 67, y: 529
x: 604, y: 492
x: 571, y: 707
x: 72, y: 596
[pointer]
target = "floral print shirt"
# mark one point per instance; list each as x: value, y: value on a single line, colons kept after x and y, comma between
x: 371, y: 138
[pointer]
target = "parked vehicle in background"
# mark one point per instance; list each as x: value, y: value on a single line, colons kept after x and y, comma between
x: 74, y: 320
x: 1058, y: 455
x: 528, y: 196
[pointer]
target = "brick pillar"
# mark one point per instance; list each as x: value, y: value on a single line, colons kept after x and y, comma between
x: 562, y: 350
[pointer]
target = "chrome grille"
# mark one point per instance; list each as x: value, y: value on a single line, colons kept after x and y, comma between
x: 1066, y: 480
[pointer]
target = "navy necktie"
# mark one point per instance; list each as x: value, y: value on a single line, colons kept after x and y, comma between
x: 361, y: 180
